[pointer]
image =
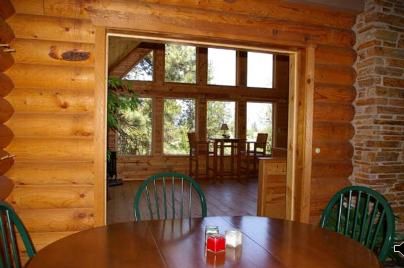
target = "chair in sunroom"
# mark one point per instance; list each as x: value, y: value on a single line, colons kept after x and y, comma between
x: 364, y: 215
x: 169, y: 196
x: 10, y: 225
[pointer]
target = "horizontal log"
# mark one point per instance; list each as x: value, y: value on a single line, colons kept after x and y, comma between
x: 6, y: 110
x: 334, y: 132
x: 57, y: 220
x: 52, y: 125
x: 335, y: 55
x: 334, y: 75
x: 52, y: 173
x: 6, y: 85
x: 57, y: 8
x: 338, y: 151
x: 333, y: 112
x: 332, y: 93
x: 51, y: 77
x: 6, y: 163
x: 63, y: 196
x: 6, y: 136
x: 52, y: 149
x: 236, y: 29
x: 6, y: 9
x: 294, y: 12
x: 52, y: 28
x: 25, y: 100
x: 325, y: 168
x: 6, y: 61
x: 6, y: 33
x: 208, y: 91
x: 53, y: 53
x: 6, y: 186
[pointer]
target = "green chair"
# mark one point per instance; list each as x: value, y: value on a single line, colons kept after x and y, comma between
x: 9, y: 224
x: 363, y: 215
x: 169, y: 196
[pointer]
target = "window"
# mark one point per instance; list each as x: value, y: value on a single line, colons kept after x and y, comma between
x: 259, y: 70
x: 180, y: 63
x: 221, y: 67
x: 259, y: 120
x: 219, y: 112
x: 136, y: 129
x: 179, y: 119
x: 142, y: 71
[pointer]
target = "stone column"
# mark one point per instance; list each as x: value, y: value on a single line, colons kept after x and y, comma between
x: 379, y: 119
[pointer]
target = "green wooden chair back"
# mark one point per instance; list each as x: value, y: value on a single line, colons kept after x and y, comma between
x: 169, y: 196
x: 364, y: 215
x: 9, y: 224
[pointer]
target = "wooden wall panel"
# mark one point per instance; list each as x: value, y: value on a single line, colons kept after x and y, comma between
x: 53, y: 120
x: 6, y: 86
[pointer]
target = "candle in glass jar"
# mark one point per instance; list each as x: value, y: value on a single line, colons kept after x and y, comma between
x: 234, y: 238
x: 211, y: 230
x: 216, y: 243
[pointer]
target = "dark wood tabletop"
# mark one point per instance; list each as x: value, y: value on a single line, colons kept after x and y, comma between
x: 180, y: 243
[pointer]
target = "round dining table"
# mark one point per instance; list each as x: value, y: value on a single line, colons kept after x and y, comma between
x: 180, y: 243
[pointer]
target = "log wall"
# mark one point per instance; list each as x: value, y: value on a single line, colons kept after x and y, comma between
x: 53, y: 122
x: 57, y: 160
x: 6, y: 86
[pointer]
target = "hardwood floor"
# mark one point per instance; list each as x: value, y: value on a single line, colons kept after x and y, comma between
x: 230, y: 198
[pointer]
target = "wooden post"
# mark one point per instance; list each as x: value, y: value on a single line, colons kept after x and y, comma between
x: 201, y: 66
x: 241, y: 68
x: 100, y: 132
x: 159, y: 65
x: 241, y: 119
x: 158, y: 126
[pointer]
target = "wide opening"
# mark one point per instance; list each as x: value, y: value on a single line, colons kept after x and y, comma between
x: 180, y: 87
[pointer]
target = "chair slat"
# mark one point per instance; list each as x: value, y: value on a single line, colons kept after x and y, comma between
x: 378, y: 228
x: 165, y: 197
x: 341, y: 200
x: 358, y: 200
x: 347, y: 213
x: 156, y: 199
x: 364, y: 220
x: 4, y: 237
x: 13, y: 241
x: 182, y: 198
x: 371, y: 220
x: 172, y: 196
x: 149, y: 205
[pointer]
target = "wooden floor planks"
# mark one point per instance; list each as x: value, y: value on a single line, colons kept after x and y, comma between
x: 230, y: 198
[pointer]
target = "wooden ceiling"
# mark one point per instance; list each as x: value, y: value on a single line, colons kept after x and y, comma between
x: 349, y: 5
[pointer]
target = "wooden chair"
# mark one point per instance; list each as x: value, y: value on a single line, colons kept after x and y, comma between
x: 198, y: 149
x: 363, y: 215
x: 9, y: 224
x: 256, y: 149
x: 169, y: 196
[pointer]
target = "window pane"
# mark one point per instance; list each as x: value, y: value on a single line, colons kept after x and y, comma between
x: 143, y: 71
x: 259, y: 70
x: 259, y: 120
x: 179, y: 119
x: 136, y: 129
x: 221, y: 67
x: 219, y: 112
x: 180, y: 63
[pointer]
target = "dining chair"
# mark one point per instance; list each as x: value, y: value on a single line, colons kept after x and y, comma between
x: 253, y: 150
x: 168, y: 196
x: 9, y: 224
x: 363, y: 215
x: 198, y: 150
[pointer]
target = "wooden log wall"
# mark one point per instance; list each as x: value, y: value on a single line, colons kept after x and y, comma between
x: 276, y: 24
x: 56, y: 160
x: 53, y: 122
x: 6, y: 86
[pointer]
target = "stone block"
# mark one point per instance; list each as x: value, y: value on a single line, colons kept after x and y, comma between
x: 393, y: 82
